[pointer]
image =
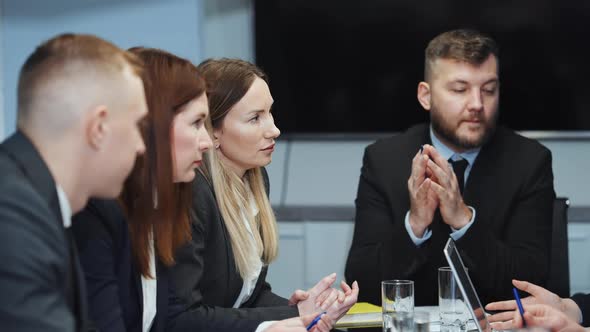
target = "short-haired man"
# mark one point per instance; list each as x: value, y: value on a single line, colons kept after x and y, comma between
x: 80, y: 100
x: 487, y: 187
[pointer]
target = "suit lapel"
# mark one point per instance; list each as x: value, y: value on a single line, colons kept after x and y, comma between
x: 80, y: 307
x: 234, y: 280
x: 482, y: 176
x: 161, y: 298
x: 136, y: 275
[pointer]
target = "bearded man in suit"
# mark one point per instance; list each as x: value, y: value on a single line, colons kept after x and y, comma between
x: 461, y: 175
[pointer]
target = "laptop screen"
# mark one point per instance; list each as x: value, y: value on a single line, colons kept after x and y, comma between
x: 469, y: 294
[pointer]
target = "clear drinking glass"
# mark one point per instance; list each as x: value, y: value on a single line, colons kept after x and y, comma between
x: 397, y: 303
x: 454, y: 314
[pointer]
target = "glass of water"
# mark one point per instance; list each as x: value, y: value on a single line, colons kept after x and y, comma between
x: 397, y: 302
x: 454, y: 314
x: 398, y: 321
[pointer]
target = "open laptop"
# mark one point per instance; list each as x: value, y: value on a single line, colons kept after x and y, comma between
x: 469, y: 294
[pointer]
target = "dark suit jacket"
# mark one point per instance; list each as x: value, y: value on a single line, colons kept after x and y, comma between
x: 206, y: 276
x: 114, y: 283
x: 41, y: 288
x: 511, y: 188
x: 583, y: 301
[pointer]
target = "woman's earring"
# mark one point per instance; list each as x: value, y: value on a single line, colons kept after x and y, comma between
x: 216, y: 145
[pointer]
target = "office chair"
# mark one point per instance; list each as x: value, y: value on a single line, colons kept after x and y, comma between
x: 559, y: 272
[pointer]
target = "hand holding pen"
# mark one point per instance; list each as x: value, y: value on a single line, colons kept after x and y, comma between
x: 543, y: 316
x: 314, y: 322
x: 519, y: 304
x: 543, y: 308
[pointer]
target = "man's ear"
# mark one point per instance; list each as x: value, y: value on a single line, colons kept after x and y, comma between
x: 424, y: 95
x: 97, y: 127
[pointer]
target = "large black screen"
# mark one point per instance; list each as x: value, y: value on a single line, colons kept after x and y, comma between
x: 339, y: 66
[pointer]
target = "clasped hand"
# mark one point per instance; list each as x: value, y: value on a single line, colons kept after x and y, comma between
x: 433, y: 184
x: 322, y: 297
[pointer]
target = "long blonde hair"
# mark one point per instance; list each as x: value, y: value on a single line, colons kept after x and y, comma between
x: 228, y: 80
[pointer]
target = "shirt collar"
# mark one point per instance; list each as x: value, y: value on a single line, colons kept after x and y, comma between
x: 64, y: 206
x: 447, y: 152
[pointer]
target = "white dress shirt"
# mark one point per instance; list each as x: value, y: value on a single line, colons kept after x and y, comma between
x: 64, y: 207
x: 149, y: 289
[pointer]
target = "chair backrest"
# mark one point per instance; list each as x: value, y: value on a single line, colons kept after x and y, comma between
x: 559, y: 269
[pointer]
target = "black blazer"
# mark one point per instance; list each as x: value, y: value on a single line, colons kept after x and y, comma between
x: 41, y: 288
x: 583, y: 301
x: 206, y: 276
x: 511, y: 188
x: 114, y: 283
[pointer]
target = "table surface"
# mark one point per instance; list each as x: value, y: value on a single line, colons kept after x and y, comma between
x: 435, y: 319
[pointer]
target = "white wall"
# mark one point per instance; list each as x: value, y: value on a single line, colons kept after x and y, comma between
x: 173, y: 25
x: 326, y: 173
x: 195, y: 29
x: 228, y: 29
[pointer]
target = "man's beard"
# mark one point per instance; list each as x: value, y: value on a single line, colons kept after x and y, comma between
x: 446, y: 132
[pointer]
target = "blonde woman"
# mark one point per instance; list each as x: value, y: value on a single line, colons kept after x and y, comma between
x: 234, y: 236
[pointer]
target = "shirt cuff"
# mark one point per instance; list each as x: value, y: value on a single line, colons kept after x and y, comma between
x: 264, y: 325
x: 456, y: 234
x: 417, y: 240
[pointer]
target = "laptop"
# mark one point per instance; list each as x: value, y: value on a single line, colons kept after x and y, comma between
x: 469, y: 294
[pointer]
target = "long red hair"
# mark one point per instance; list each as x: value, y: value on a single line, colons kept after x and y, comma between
x: 153, y: 202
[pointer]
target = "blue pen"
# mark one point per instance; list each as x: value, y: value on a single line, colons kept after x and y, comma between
x: 315, y: 321
x: 519, y: 304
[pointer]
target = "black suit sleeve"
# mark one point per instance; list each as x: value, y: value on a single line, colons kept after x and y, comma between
x: 583, y: 301
x: 523, y: 252
x: 378, y: 233
x: 34, y: 262
x: 187, y: 277
x: 179, y: 319
x: 95, y: 233
x: 189, y: 271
